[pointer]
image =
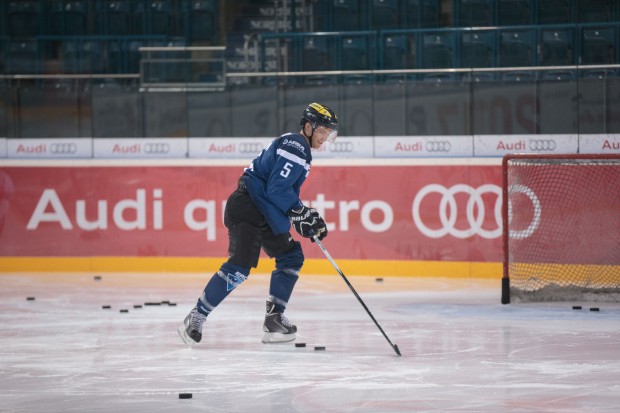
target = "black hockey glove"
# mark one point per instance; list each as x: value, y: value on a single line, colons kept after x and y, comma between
x: 308, y: 222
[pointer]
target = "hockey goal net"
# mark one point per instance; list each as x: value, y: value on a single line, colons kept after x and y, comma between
x: 561, y: 230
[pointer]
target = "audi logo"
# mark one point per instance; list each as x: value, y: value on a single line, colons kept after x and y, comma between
x: 438, y: 146
x: 250, y: 147
x: 156, y: 148
x: 341, y: 147
x: 448, y: 211
x: 542, y: 144
x: 63, y: 148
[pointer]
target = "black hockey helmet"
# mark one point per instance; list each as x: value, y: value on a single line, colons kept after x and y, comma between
x: 320, y: 115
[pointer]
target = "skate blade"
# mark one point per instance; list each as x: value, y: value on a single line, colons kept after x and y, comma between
x: 278, y: 338
x: 183, y: 334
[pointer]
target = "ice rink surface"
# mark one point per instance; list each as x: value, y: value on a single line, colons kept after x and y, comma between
x: 462, y: 351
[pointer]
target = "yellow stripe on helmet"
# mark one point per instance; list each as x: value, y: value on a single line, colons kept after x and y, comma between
x: 321, y: 109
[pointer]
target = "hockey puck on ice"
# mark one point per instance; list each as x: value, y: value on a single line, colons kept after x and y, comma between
x: 319, y: 348
x: 137, y: 306
x: 379, y: 280
x: 30, y: 298
x: 105, y: 307
x: 576, y: 307
x: 300, y: 344
x: 97, y: 277
x: 594, y: 309
x: 124, y: 311
x: 185, y: 396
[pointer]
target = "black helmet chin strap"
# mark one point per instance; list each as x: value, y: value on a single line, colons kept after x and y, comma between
x: 312, y: 134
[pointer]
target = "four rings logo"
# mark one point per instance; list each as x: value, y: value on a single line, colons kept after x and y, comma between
x: 250, y: 147
x: 341, y: 147
x: 542, y: 144
x: 63, y: 148
x: 448, y: 210
x: 438, y: 146
x: 156, y: 148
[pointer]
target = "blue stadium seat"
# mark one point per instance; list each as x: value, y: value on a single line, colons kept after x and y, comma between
x: 437, y: 50
x: 595, y: 11
x: 477, y: 77
x: 315, y: 53
x: 557, y: 75
x: 82, y: 56
x: 474, y: 13
x: 554, y: 11
x: 421, y: 13
x: 557, y: 47
x: 23, y: 57
x: 513, y: 12
x: 155, y: 17
x: 346, y: 15
x: 518, y: 76
x: 598, y: 73
x: 200, y: 20
x: 69, y: 17
x: 384, y: 14
x: 477, y: 49
x: 354, y: 53
x: 25, y: 19
x: 115, y: 17
x: 598, y: 45
x: 395, y: 51
x: 516, y: 48
x: 439, y: 77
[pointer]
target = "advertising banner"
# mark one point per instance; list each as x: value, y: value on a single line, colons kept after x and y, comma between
x: 346, y: 147
x: 3, y: 147
x: 227, y: 148
x: 43, y: 148
x: 500, y: 145
x: 423, y: 146
x: 154, y: 148
x: 599, y: 143
x: 448, y: 212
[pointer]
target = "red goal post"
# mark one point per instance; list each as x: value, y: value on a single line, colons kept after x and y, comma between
x: 561, y: 227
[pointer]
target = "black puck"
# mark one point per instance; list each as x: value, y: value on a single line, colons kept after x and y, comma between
x: 137, y: 306
x: 576, y: 307
x: 172, y: 304
x: 124, y: 311
x: 185, y: 396
x: 105, y: 307
x: 594, y: 309
x: 165, y: 302
x: 379, y: 280
x: 97, y: 277
x: 300, y: 344
x: 319, y: 348
x: 30, y: 298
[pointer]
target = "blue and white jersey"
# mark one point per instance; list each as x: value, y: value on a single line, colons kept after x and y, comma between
x: 275, y: 176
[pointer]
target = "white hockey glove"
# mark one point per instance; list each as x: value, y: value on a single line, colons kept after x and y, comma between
x: 308, y: 222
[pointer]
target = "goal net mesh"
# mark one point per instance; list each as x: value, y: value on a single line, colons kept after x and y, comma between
x: 561, y: 228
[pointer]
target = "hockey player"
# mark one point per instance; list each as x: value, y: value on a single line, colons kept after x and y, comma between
x: 259, y: 214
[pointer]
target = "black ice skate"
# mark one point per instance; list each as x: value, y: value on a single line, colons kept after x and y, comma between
x: 277, y: 328
x: 191, y: 329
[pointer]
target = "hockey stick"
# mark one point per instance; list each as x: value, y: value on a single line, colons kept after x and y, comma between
x: 329, y: 257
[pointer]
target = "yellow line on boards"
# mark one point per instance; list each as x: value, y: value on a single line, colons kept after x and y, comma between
x: 457, y: 269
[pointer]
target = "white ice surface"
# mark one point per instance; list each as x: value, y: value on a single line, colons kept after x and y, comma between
x: 462, y: 350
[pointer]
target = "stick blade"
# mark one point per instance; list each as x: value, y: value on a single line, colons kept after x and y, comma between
x: 396, y: 349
